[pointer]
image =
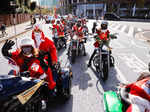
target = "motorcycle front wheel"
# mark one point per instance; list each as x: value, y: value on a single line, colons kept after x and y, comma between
x: 67, y: 91
x: 105, y: 71
x: 73, y: 56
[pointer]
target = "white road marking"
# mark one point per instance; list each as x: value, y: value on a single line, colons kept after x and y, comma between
x: 139, y: 29
x: 123, y: 28
x: 136, y: 45
x: 131, y: 31
x: 133, y: 62
x: 117, y: 26
x: 117, y: 45
x: 119, y: 73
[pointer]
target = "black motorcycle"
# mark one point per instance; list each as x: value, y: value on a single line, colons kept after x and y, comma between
x: 60, y: 42
x: 85, y: 30
x: 103, y: 60
x: 76, y: 48
x: 21, y: 93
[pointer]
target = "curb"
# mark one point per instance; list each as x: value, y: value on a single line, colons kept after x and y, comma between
x: 141, y: 36
x: 15, y: 36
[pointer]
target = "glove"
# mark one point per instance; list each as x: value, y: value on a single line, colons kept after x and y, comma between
x: 8, y: 44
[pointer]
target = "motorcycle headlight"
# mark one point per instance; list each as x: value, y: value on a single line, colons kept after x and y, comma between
x: 105, y: 48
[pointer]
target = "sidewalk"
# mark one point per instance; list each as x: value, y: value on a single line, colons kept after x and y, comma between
x: 20, y: 28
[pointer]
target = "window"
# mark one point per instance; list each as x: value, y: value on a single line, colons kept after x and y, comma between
x: 81, y: 1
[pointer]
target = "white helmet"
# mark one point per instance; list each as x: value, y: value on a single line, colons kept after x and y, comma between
x: 26, y: 41
x: 104, y: 22
x: 104, y: 25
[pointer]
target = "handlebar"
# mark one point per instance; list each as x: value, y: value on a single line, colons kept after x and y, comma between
x: 25, y: 74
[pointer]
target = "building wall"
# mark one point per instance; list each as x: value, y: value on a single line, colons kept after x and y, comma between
x: 99, y: 7
x: 9, y: 20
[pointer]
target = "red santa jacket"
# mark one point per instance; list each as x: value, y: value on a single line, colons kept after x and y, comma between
x: 137, y: 90
x: 103, y: 35
x: 60, y: 30
x: 20, y: 60
x: 78, y: 31
x: 47, y: 46
x: 32, y: 65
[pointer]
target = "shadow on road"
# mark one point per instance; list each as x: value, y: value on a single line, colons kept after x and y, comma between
x: 111, y: 83
x: 81, y: 75
x: 61, y: 105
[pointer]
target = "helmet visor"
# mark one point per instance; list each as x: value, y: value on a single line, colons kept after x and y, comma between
x: 27, y: 50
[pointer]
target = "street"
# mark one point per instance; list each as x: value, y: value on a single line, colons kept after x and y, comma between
x: 131, y: 57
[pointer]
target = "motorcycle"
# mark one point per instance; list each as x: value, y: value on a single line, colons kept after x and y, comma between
x: 85, y: 30
x: 103, y: 60
x: 60, y: 42
x: 76, y: 48
x: 119, y: 101
x: 21, y: 93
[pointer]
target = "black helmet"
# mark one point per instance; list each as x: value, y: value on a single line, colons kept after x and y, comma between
x: 104, y: 25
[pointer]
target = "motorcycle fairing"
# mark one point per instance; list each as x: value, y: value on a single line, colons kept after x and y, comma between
x: 11, y: 85
x: 26, y: 95
x: 112, y: 102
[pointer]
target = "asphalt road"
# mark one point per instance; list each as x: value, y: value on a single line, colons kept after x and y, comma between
x: 131, y: 58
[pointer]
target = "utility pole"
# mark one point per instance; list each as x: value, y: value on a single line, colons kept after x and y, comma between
x: 14, y: 18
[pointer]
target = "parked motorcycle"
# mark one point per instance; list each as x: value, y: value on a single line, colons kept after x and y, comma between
x: 103, y: 60
x: 22, y: 93
x: 76, y: 48
x: 119, y: 101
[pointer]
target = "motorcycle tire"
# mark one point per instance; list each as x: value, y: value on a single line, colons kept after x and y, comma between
x: 112, y: 61
x: 96, y: 61
x: 84, y: 52
x: 73, y: 56
x: 105, y: 71
x: 67, y: 91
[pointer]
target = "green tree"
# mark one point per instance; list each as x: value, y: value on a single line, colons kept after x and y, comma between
x: 140, y: 3
x: 33, y: 6
x: 27, y: 3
